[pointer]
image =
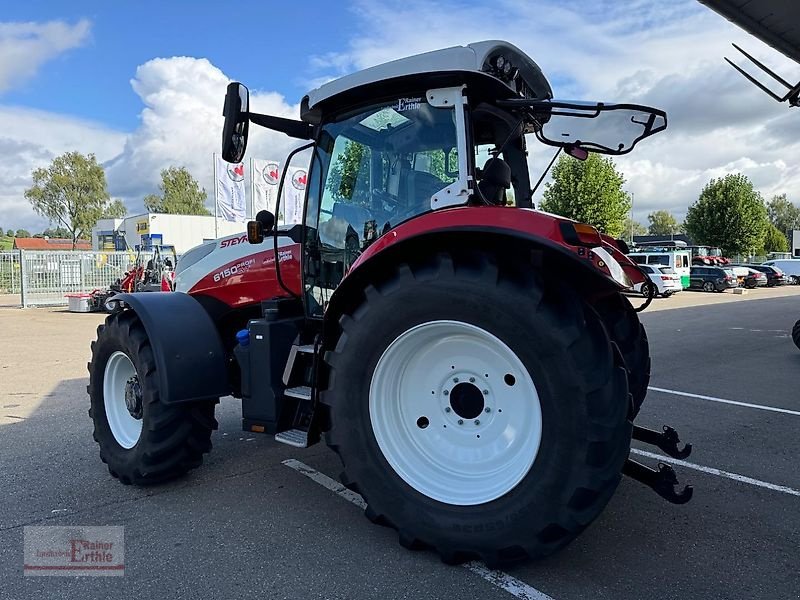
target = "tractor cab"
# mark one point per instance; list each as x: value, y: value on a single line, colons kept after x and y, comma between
x: 423, y: 134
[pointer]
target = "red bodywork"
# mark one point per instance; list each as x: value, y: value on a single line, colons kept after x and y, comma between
x: 240, y: 279
x: 251, y: 278
x: 527, y: 222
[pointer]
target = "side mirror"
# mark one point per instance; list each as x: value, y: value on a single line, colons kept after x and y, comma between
x: 263, y: 224
x: 237, y: 122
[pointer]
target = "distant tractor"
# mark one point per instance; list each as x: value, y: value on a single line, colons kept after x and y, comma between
x: 471, y: 360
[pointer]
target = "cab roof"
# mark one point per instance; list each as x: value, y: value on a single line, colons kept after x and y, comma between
x: 476, y: 62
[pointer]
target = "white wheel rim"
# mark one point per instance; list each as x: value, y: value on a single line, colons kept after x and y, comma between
x: 468, y: 463
x: 125, y: 428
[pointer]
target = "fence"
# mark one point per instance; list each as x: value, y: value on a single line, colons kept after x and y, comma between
x: 44, y: 278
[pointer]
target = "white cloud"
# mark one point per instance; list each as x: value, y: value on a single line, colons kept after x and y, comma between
x: 24, y: 47
x: 181, y: 125
x: 30, y: 139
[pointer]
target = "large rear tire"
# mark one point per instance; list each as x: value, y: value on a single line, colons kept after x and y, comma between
x: 796, y: 334
x: 627, y: 332
x: 478, y: 410
x: 142, y: 440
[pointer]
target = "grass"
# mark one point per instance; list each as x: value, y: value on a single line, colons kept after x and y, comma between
x: 6, y: 243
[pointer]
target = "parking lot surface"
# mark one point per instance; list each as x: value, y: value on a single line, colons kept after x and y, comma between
x: 245, y: 524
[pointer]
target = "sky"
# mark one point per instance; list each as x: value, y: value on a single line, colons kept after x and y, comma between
x: 141, y: 84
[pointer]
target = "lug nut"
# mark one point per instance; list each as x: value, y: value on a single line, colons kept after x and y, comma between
x: 461, y: 421
x: 447, y: 392
x: 485, y: 392
x: 487, y: 410
x: 472, y: 380
x: 447, y: 409
x: 477, y: 421
x: 455, y: 379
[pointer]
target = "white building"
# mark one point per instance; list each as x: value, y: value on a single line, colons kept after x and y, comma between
x: 795, y: 243
x: 158, y: 229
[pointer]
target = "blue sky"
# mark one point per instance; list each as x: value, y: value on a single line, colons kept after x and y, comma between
x: 266, y: 45
x: 140, y: 84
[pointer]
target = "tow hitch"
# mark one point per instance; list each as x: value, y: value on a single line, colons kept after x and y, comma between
x: 661, y: 480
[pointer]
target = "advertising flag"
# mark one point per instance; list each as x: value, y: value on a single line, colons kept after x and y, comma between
x: 266, y: 175
x: 230, y: 190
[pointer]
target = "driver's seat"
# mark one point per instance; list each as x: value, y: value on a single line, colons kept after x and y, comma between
x: 495, y: 180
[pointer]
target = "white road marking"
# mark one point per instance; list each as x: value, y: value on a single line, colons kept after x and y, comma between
x: 504, y: 581
x: 785, y: 411
x: 718, y: 472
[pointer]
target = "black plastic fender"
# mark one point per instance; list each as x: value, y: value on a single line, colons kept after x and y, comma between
x: 189, y: 355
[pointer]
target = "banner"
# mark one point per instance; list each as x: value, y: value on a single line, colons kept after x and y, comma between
x: 231, y: 202
x: 266, y: 177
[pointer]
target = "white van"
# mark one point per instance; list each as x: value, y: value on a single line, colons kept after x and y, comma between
x: 789, y: 266
x: 679, y: 260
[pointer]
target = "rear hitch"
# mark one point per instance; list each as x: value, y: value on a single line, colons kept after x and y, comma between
x: 667, y: 440
x: 662, y: 480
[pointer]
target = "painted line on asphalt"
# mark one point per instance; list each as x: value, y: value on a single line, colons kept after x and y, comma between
x: 785, y: 411
x: 504, y: 581
x: 719, y: 472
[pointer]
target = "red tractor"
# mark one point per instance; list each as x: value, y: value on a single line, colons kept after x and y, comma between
x: 473, y: 363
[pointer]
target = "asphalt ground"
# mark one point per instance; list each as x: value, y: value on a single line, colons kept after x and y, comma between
x: 246, y: 525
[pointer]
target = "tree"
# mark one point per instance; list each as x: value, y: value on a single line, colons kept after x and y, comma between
x: 730, y: 214
x: 783, y: 214
x: 662, y: 223
x: 22, y: 233
x: 775, y: 240
x: 9, y: 233
x: 180, y: 194
x: 115, y: 210
x: 588, y: 191
x: 633, y: 228
x: 71, y: 192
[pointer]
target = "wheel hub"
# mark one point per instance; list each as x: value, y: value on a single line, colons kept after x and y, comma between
x: 466, y: 400
x: 455, y: 412
x: 133, y: 397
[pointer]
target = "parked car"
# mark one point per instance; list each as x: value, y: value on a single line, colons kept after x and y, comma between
x: 664, y: 280
x: 712, y: 279
x: 774, y: 275
x: 676, y: 259
x: 789, y: 266
x: 749, y: 278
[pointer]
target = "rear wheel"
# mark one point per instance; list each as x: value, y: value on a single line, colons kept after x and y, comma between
x: 478, y: 411
x: 142, y: 440
x: 709, y: 286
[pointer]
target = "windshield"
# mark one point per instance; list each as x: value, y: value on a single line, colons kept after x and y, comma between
x: 372, y: 170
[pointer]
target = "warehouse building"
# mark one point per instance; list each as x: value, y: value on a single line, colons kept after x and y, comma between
x: 143, y: 232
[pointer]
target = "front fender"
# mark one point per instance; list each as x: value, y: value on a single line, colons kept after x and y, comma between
x: 189, y: 356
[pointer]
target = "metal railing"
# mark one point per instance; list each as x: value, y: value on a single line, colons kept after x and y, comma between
x: 44, y: 278
x: 10, y: 278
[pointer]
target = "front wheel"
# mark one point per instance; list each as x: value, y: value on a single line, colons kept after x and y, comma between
x: 478, y: 411
x: 141, y: 439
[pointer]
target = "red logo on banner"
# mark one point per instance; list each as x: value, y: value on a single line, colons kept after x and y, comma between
x: 236, y: 172
x: 299, y: 179
x: 271, y: 173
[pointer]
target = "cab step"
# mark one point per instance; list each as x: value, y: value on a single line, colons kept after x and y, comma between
x: 293, y: 437
x: 302, y: 392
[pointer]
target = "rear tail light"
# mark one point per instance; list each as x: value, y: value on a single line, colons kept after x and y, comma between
x: 579, y: 234
x: 665, y: 278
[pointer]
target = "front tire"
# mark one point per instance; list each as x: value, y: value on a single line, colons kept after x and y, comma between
x: 796, y: 334
x: 418, y: 363
x: 141, y: 439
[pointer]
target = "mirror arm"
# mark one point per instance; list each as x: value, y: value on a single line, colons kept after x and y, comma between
x: 292, y: 128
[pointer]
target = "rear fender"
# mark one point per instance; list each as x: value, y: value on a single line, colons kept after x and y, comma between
x: 552, y: 259
x: 189, y: 356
